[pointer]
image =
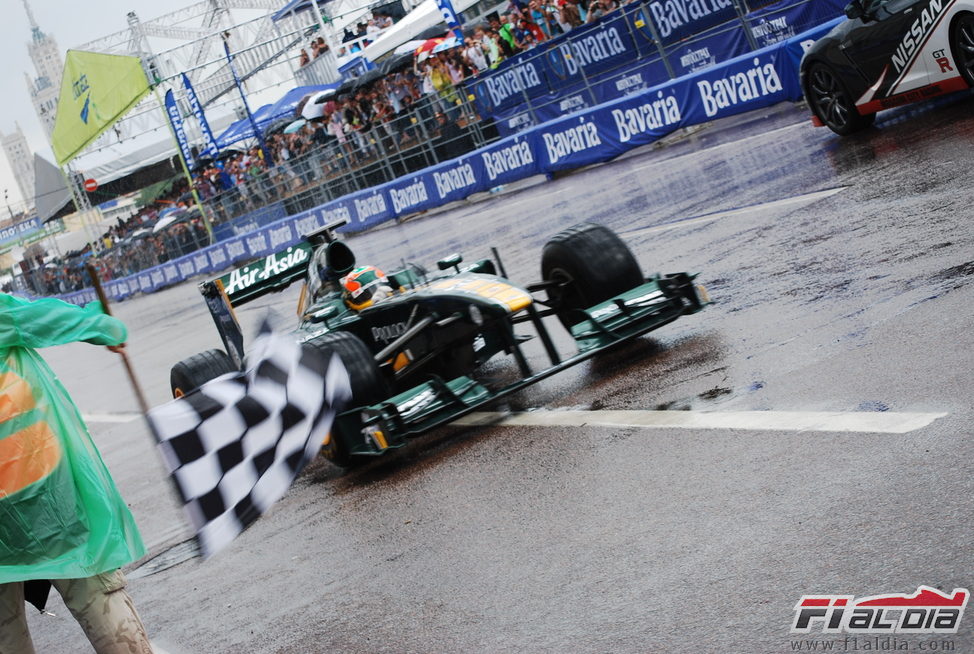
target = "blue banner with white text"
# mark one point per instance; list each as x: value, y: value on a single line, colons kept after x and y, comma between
x: 591, y: 135
x: 176, y: 120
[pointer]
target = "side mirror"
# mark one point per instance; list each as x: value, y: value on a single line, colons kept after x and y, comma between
x: 452, y: 261
x: 321, y: 315
x: 854, y: 10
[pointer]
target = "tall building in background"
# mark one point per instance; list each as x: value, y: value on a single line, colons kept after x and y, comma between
x: 21, y: 162
x: 48, y: 64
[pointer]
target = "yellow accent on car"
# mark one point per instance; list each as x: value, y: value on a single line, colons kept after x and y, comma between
x: 510, y: 297
x: 703, y: 294
x: 380, y: 439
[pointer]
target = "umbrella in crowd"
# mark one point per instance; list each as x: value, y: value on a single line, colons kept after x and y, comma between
x: 447, y: 44
x: 367, y: 77
x: 172, y: 218
x: 345, y: 87
x: 423, y: 51
x: 431, y: 32
x: 313, y: 106
x: 278, y: 125
x: 396, y: 62
x: 295, y: 126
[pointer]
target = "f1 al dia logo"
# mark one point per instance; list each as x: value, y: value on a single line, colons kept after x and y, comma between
x: 927, y: 611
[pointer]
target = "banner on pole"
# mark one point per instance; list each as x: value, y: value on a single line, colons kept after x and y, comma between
x: 96, y: 90
x: 177, y: 127
x: 450, y: 17
x: 209, y: 143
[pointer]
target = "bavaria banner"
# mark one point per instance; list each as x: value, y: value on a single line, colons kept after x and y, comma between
x: 176, y: 121
x: 752, y: 81
x: 677, y: 20
x: 784, y: 19
x: 96, y: 90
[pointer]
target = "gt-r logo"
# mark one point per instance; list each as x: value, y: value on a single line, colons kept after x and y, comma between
x: 927, y: 611
x: 940, y: 57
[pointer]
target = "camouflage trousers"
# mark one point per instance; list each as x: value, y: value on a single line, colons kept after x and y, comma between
x: 99, y: 604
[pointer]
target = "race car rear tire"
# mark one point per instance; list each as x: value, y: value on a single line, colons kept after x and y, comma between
x: 962, y: 46
x: 592, y: 264
x: 831, y: 102
x: 368, y: 385
x: 189, y: 374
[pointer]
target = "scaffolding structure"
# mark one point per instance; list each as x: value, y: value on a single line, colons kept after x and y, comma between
x: 190, y: 41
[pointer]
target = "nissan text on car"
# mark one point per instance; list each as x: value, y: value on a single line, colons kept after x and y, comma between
x: 888, y: 53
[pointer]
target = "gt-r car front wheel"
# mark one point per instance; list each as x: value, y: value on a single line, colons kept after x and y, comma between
x: 832, y: 103
x: 962, y: 47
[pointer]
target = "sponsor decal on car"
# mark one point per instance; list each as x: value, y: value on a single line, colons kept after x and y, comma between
x: 243, y: 278
x: 917, y: 33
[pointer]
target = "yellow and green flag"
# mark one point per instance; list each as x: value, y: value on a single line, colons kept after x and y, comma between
x: 96, y: 90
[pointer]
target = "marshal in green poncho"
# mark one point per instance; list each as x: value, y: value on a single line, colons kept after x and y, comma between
x: 61, y: 516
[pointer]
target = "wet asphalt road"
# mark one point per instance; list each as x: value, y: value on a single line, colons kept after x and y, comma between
x: 841, y: 273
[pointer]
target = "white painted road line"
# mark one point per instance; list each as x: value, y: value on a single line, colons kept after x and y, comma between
x: 798, y: 200
x: 110, y: 417
x: 861, y: 422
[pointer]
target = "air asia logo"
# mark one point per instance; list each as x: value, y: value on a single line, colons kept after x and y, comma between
x: 927, y: 611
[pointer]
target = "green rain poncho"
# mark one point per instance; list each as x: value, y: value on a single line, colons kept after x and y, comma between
x: 61, y: 516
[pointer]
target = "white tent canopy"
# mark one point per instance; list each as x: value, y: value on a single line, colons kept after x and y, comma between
x: 423, y: 17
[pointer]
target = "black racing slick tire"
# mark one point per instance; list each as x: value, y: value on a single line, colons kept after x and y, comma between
x: 189, y: 374
x: 591, y: 264
x: 368, y: 385
x: 962, y: 46
x: 831, y: 102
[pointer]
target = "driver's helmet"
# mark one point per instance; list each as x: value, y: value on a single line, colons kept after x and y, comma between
x: 365, y: 286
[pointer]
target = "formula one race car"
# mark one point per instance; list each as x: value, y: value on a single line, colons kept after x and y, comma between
x: 412, y: 357
x: 889, y: 53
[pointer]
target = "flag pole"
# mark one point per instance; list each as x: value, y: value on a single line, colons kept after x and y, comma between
x: 182, y: 162
x: 136, y: 387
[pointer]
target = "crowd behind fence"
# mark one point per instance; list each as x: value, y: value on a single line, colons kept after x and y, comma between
x: 400, y: 123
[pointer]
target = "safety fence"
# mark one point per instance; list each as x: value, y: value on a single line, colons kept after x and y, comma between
x: 756, y: 80
x: 635, y: 48
x: 410, y: 142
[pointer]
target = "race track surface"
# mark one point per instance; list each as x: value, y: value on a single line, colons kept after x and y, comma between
x: 808, y: 433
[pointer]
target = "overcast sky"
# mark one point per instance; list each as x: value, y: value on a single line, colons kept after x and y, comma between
x: 71, y: 24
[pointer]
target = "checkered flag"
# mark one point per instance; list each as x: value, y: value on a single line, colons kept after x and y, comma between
x: 235, y: 445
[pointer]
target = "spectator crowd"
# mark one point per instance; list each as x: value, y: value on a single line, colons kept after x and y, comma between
x: 418, y: 104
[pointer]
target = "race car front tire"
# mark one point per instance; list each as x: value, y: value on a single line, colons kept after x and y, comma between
x: 368, y: 385
x: 189, y: 374
x: 831, y: 102
x: 591, y: 264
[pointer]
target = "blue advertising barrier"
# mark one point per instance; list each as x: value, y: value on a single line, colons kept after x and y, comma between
x: 676, y: 20
x: 753, y: 81
x: 592, y: 64
x: 780, y: 21
x: 250, y: 221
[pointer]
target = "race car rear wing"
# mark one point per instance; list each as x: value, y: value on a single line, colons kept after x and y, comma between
x: 273, y: 273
